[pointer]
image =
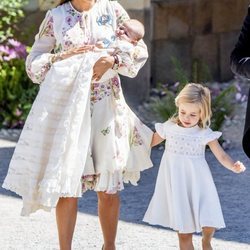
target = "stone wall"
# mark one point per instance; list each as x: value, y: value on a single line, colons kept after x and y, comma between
x: 194, y: 29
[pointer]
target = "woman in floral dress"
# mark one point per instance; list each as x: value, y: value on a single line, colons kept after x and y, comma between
x: 119, y: 144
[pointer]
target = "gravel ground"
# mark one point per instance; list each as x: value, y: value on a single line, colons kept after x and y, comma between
x: 39, y: 230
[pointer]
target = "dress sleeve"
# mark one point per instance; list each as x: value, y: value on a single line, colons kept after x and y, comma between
x: 161, y: 129
x: 210, y: 135
x: 38, y: 61
x: 129, y: 63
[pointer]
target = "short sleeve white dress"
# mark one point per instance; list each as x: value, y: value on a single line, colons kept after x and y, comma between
x: 185, y: 197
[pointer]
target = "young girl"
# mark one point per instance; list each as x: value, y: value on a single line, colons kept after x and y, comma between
x: 185, y: 197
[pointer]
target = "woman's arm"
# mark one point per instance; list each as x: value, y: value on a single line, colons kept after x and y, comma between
x: 38, y: 60
x: 156, y: 139
x: 101, y: 66
x: 40, y: 57
x: 224, y: 158
x: 240, y: 56
x: 127, y: 64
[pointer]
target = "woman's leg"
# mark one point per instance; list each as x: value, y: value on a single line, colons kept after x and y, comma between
x: 108, y: 211
x: 185, y: 241
x: 66, y: 212
x: 207, y: 235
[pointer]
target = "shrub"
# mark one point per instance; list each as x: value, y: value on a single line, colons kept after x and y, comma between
x: 11, y: 12
x: 222, y: 98
x: 17, y: 92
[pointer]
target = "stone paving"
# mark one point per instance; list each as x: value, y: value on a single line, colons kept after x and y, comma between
x: 39, y: 230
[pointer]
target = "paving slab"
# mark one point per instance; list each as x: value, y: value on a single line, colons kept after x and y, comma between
x: 39, y: 230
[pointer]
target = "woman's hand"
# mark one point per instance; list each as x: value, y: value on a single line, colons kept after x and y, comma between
x: 156, y: 139
x: 101, y: 66
x: 77, y: 51
x: 66, y: 54
x: 238, y: 167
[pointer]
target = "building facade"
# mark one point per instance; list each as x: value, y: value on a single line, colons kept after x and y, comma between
x: 189, y: 31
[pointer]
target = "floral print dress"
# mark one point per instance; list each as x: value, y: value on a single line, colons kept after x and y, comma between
x: 119, y: 147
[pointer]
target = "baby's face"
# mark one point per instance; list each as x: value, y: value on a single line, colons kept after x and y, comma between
x: 126, y: 32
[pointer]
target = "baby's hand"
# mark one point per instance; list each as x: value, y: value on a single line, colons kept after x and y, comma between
x: 238, y: 167
x: 100, y: 45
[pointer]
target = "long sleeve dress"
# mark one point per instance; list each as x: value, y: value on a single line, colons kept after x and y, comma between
x: 73, y: 141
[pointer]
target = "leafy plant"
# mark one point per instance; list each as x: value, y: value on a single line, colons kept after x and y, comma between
x: 164, y: 107
x: 222, y: 106
x: 17, y: 92
x: 200, y: 71
x: 222, y: 99
x: 11, y: 12
x: 181, y: 74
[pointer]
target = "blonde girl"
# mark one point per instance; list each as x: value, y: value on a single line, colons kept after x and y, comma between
x: 185, y: 197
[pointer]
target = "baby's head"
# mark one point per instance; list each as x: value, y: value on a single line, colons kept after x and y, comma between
x: 131, y: 30
x: 194, y: 106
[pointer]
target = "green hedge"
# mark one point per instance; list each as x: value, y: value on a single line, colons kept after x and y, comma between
x: 17, y: 92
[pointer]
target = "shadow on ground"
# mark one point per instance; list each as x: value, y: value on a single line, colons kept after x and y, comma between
x: 233, y: 190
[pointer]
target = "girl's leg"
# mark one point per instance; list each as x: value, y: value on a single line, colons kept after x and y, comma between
x: 207, y: 234
x: 66, y: 211
x: 108, y: 211
x: 185, y: 241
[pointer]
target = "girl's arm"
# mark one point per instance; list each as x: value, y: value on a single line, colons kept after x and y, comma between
x: 156, y: 139
x: 224, y: 158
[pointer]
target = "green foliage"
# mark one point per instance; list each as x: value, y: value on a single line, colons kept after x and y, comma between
x: 164, y: 107
x: 222, y: 106
x: 11, y: 12
x: 17, y: 93
x: 222, y: 99
x: 16, y: 90
x: 200, y: 71
x: 181, y: 74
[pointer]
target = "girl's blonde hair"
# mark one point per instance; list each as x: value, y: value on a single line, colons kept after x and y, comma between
x: 200, y: 95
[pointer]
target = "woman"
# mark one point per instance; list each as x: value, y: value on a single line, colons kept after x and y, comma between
x: 57, y: 152
x: 240, y: 65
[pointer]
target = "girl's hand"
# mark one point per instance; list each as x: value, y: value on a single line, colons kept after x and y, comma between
x: 101, y: 66
x: 238, y: 167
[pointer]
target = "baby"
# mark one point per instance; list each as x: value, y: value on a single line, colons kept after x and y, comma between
x: 131, y: 31
x: 127, y: 36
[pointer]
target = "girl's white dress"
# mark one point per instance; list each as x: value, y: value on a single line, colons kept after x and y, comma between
x: 80, y: 134
x: 185, y: 197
